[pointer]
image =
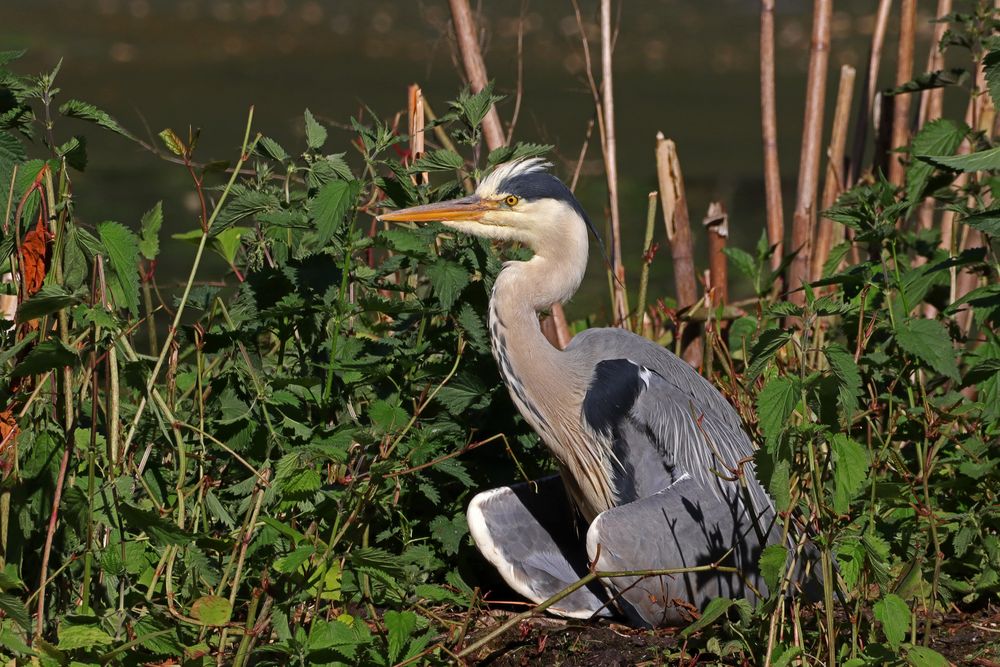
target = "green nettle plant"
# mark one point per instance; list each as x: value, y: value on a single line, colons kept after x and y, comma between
x: 273, y: 468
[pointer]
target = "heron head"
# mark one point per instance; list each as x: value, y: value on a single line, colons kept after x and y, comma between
x: 518, y: 201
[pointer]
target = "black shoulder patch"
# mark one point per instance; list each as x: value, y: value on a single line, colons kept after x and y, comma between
x: 613, y: 391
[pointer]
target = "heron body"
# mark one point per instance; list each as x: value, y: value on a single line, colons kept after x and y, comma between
x: 646, y: 447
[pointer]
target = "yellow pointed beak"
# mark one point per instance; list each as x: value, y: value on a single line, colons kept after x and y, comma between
x: 467, y: 208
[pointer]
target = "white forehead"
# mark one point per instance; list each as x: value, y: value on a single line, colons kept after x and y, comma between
x: 493, y: 183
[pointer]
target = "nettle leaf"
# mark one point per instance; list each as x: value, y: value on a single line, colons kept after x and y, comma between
x: 519, y: 150
x: 939, y: 137
x: 173, y: 143
x: 715, y: 609
x: 987, y: 222
x: 928, y: 341
x: 329, y: 207
x: 46, y: 356
x: 11, y: 150
x: 850, y: 469
x: 894, y: 615
x: 448, y: 279
x: 439, y: 160
x: 14, y: 608
x: 463, y: 391
x: 399, y: 626
x: 272, y: 149
x: 766, y: 346
x: 386, y: 416
x: 991, y: 68
x: 315, y: 133
x: 981, y: 161
x: 160, y: 531
x: 88, y: 112
x: 212, y: 610
x: 775, y: 404
x: 848, y: 379
x: 449, y: 532
x: 780, y: 486
x: 121, y: 247
x: 49, y: 299
x: 919, y: 656
x: 772, y: 564
x: 938, y: 78
x: 149, y: 241
x: 744, y: 262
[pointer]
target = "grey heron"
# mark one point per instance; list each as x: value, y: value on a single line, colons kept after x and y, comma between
x: 646, y: 447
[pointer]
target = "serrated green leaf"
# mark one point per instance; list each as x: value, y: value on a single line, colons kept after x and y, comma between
x: 448, y: 279
x: 769, y: 342
x: 991, y: 68
x: 159, y: 530
x: 227, y: 242
x: 938, y: 137
x: 940, y: 78
x: 212, y: 610
x: 981, y: 161
x: 85, y: 111
x: 928, y: 341
x: 399, y: 627
x: 744, y: 262
x: 122, y: 250
x: 149, y: 241
x: 14, y: 609
x: 519, y: 150
x: 329, y: 207
x: 920, y: 656
x: 315, y: 133
x: 49, y: 299
x: 987, y: 222
x: 775, y: 404
x: 173, y: 143
x: 894, y: 615
x: 715, y: 609
x: 439, y: 160
x: 772, y: 564
x: 848, y: 379
x: 449, y: 532
x: 850, y: 468
x: 780, y: 486
x: 272, y: 149
x: 386, y: 416
x: 46, y: 356
x: 11, y: 150
x: 73, y: 636
x: 293, y: 561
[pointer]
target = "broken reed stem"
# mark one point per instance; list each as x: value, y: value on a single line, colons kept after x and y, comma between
x: 769, y: 132
x: 901, y: 103
x: 647, y: 260
x: 611, y: 163
x: 475, y: 68
x: 834, y: 183
x: 717, y: 227
x: 415, y: 123
x: 931, y: 105
x: 673, y: 200
x: 864, y: 116
x: 803, y: 221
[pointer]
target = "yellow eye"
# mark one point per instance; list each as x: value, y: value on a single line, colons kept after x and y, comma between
x: 511, y: 200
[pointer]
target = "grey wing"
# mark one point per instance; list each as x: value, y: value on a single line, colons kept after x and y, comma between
x: 662, y: 430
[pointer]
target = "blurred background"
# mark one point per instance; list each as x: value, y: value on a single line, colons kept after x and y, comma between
x: 689, y: 69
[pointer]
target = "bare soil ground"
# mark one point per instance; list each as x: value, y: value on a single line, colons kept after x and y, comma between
x: 965, y: 638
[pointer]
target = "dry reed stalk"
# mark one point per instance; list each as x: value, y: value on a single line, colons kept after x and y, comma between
x: 769, y: 132
x: 868, y: 89
x: 804, y: 219
x: 475, y: 68
x: 673, y: 200
x: 415, y: 118
x: 611, y: 162
x: 834, y: 183
x: 901, y: 103
x: 556, y: 330
x: 717, y: 227
x: 931, y: 103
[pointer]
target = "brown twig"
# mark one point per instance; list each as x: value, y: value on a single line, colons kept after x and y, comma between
x: 834, y: 183
x: 415, y: 122
x: 931, y: 104
x: 769, y: 130
x: 901, y: 103
x: 673, y: 200
x: 475, y: 68
x: 803, y: 222
x: 611, y: 162
x: 717, y: 225
x: 868, y: 88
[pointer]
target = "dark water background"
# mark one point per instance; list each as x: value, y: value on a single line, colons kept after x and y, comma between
x: 686, y: 67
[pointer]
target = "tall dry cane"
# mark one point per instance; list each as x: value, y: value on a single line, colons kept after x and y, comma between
x: 804, y: 219
x: 769, y: 132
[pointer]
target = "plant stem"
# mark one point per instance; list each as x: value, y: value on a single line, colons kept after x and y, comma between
x: 647, y: 260
x: 769, y: 131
